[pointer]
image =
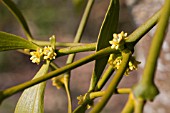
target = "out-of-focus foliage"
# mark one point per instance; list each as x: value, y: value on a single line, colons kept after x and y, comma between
x: 45, y: 17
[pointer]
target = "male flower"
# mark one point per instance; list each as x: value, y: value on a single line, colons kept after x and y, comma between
x: 118, y: 40
x: 49, y: 53
x: 36, y: 55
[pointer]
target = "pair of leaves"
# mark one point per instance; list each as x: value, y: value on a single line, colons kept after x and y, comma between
x: 32, y: 99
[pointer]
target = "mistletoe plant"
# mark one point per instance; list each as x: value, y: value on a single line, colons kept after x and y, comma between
x: 112, y: 49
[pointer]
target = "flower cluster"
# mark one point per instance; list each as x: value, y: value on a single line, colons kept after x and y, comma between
x: 118, y: 40
x: 47, y: 53
x: 116, y: 60
x: 36, y: 55
x: 132, y: 65
x: 82, y: 98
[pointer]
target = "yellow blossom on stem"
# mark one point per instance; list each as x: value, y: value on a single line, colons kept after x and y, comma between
x: 49, y: 53
x: 36, y: 55
x: 116, y: 60
x: 82, y: 98
x: 46, y: 53
x: 118, y: 40
x: 132, y: 65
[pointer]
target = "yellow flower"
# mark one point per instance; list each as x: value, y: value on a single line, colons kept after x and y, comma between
x: 49, y: 53
x: 117, y: 62
x: 118, y: 40
x: 116, y: 59
x: 36, y: 56
x: 81, y: 99
x: 132, y: 65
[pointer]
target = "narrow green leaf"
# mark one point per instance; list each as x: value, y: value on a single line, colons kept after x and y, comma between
x: 10, y: 42
x: 17, y: 13
x: 32, y: 99
x: 109, y: 26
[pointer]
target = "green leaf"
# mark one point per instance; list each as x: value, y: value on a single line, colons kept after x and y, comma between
x: 32, y: 99
x: 11, y: 42
x: 17, y: 13
x: 109, y: 26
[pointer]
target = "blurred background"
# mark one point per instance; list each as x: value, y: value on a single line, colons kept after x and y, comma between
x: 61, y: 18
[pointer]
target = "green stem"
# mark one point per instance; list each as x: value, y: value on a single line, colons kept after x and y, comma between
x: 54, y: 66
x: 115, y: 81
x: 139, y: 104
x: 76, y: 49
x: 10, y: 91
x: 81, y: 27
x: 123, y: 90
x: 59, y: 44
x: 81, y: 108
x: 104, y: 78
x: 146, y: 89
x: 156, y: 44
x: 94, y: 95
x: 129, y: 107
x: 84, y: 20
x: 69, y: 50
x: 143, y: 29
x: 76, y: 40
x: 67, y: 88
